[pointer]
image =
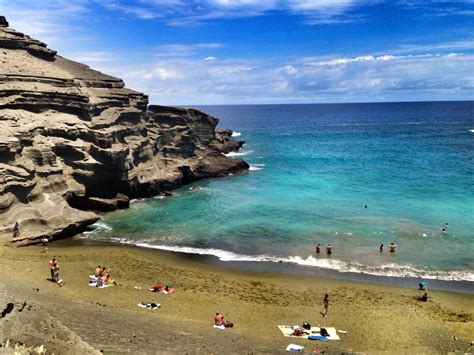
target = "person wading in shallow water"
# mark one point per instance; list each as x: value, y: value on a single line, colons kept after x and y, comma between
x: 381, y: 248
x: 318, y: 248
x: 329, y: 249
x: 325, y: 305
x: 392, y: 247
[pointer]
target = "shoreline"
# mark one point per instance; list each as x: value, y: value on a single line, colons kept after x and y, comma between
x: 374, y: 316
x: 288, y: 268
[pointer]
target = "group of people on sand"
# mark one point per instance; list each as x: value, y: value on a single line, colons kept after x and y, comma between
x: 54, y: 268
x: 102, y: 277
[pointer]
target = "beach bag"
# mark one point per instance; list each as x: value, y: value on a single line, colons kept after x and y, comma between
x: 306, y: 326
x: 228, y: 325
x: 324, y: 332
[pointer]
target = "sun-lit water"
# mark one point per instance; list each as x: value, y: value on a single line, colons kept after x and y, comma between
x: 313, y: 170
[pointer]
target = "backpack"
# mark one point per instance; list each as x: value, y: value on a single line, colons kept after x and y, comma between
x: 307, y: 326
x: 324, y: 332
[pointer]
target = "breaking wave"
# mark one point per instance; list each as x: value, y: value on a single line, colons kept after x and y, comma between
x: 387, y: 270
x: 239, y: 154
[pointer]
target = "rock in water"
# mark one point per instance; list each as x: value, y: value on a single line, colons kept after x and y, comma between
x: 74, y: 142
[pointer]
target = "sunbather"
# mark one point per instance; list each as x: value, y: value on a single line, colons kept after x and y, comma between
x: 219, y: 319
x: 98, y: 271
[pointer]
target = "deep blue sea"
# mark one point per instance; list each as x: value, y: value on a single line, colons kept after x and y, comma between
x: 314, y: 168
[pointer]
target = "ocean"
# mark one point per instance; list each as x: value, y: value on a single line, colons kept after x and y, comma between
x: 353, y: 175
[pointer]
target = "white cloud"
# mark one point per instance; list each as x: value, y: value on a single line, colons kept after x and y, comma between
x: 183, y: 50
x: 210, y: 58
x: 189, y: 80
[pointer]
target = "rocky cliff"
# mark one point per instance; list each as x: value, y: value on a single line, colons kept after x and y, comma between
x: 75, y: 142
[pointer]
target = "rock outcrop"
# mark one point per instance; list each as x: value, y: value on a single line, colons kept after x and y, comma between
x: 74, y: 142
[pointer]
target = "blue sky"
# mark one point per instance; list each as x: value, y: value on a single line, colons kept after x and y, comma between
x: 267, y: 51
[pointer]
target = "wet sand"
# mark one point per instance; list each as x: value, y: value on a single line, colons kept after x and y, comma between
x: 377, y: 318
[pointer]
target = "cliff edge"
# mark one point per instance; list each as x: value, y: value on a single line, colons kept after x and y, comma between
x: 75, y: 142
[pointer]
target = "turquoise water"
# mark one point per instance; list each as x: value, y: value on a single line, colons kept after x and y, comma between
x: 313, y: 170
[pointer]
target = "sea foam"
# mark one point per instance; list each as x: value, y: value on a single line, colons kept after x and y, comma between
x: 387, y: 270
x: 236, y: 134
x: 239, y: 154
x: 256, y: 167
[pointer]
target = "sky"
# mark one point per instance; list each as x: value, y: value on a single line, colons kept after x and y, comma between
x: 200, y: 52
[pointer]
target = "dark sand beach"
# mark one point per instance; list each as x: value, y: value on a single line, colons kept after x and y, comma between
x: 377, y: 318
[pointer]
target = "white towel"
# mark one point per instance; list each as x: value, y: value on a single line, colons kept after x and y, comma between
x: 294, y: 347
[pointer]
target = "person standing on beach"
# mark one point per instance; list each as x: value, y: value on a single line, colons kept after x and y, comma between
x: 329, y: 249
x: 318, y: 248
x: 325, y: 305
x: 45, y: 244
x: 392, y: 247
x: 53, y: 265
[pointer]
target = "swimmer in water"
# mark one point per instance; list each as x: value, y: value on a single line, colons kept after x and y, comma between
x: 329, y: 249
x: 392, y: 247
x: 443, y: 231
x: 318, y: 248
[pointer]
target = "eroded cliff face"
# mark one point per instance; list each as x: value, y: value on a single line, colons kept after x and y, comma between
x: 74, y: 141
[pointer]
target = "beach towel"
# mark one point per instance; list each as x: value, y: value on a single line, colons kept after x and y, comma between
x: 317, y: 337
x: 93, y: 277
x: 94, y: 284
x: 219, y: 327
x: 288, y: 330
x: 149, y: 305
x: 294, y: 347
